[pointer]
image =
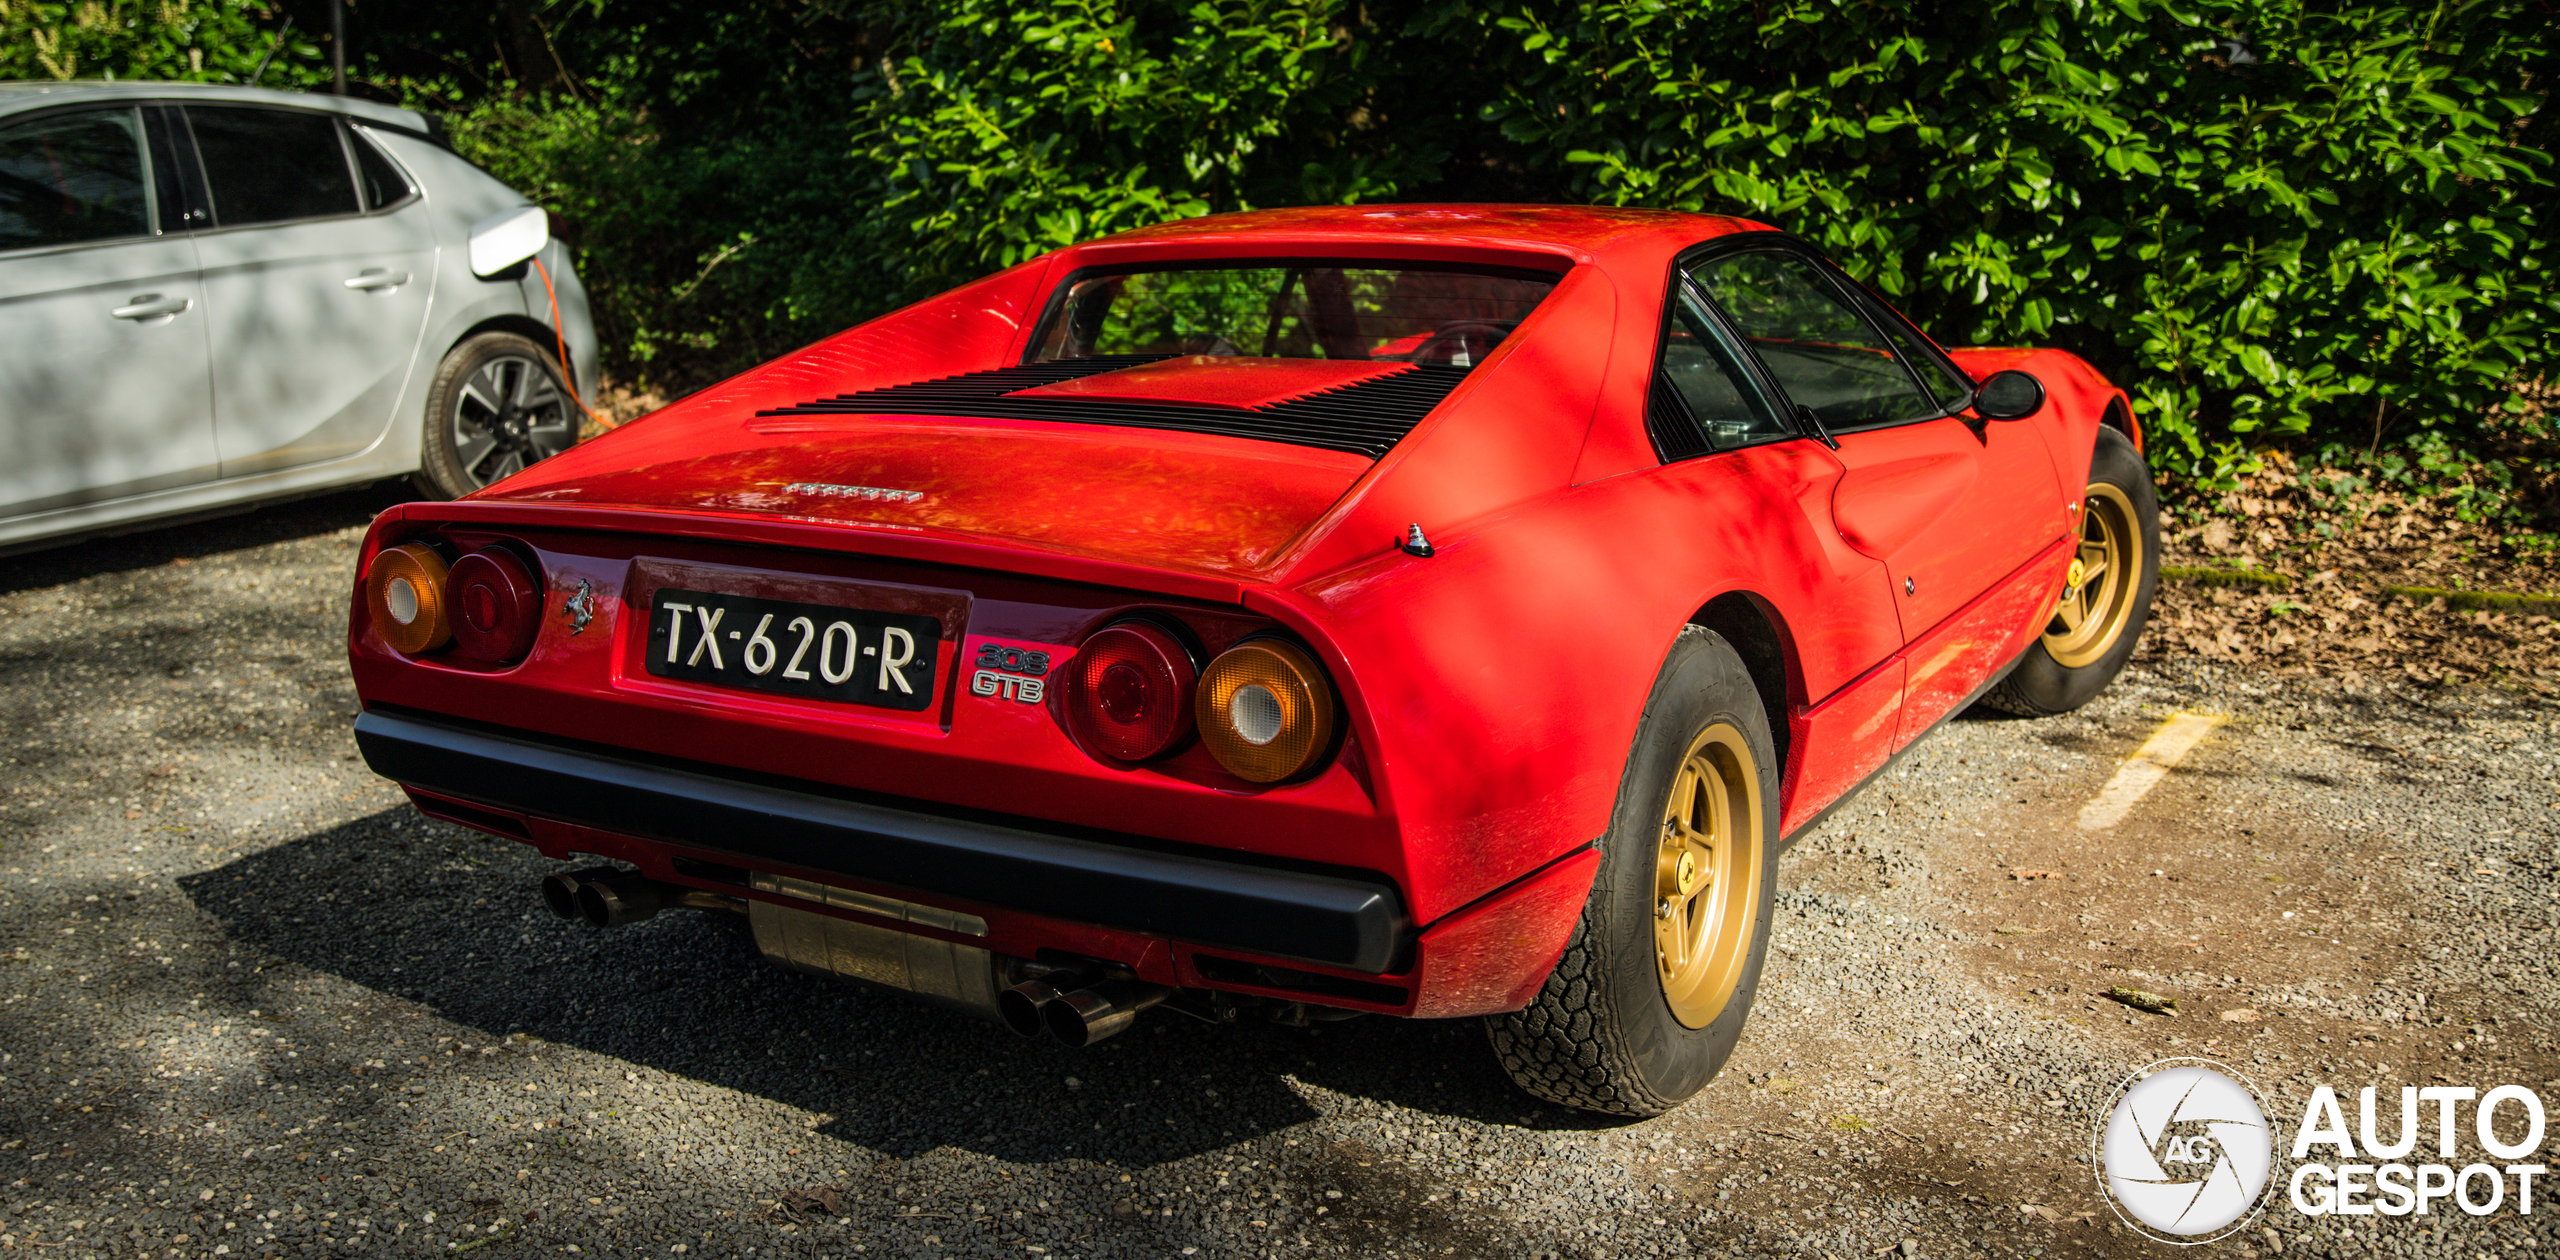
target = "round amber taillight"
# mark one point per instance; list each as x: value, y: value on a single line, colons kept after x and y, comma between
x: 496, y: 606
x: 1129, y: 691
x: 404, y: 590
x: 1265, y: 711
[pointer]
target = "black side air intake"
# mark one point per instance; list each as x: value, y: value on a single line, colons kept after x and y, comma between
x: 1364, y: 418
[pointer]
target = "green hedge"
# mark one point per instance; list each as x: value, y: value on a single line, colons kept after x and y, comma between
x: 2264, y: 218
x: 199, y: 41
x: 2270, y: 220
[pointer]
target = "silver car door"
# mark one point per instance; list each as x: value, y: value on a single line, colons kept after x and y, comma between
x: 104, y: 389
x: 318, y: 274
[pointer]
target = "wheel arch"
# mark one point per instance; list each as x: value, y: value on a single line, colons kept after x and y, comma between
x: 532, y: 329
x: 2119, y: 417
x: 1759, y: 634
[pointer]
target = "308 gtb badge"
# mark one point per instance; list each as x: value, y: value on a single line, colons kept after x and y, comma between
x: 1011, y: 673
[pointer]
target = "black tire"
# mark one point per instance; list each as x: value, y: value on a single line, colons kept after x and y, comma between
x: 1602, y: 1034
x: 472, y: 438
x: 2042, y: 684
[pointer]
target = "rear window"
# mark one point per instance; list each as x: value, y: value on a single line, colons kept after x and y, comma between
x: 1381, y: 312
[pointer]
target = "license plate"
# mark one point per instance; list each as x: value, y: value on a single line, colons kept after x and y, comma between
x: 853, y: 655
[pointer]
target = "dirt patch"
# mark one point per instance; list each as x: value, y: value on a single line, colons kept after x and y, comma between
x: 2321, y: 571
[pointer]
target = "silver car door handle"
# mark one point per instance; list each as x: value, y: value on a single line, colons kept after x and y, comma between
x: 151, y: 306
x: 377, y: 278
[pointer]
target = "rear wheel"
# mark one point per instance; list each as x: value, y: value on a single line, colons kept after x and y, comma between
x: 1650, y: 996
x: 496, y: 406
x: 2106, y: 594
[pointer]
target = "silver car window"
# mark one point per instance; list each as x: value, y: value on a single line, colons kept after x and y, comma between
x: 271, y: 165
x: 68, y: 178
x: 377, y: 177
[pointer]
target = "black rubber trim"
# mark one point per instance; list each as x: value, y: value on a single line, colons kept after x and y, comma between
x: 1340, y: 920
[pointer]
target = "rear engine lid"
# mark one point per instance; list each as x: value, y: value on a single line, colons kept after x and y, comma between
x: 1361, y: 407
x: 1177, y: 499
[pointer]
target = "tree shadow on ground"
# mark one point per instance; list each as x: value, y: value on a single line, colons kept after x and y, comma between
x: 451, y: 919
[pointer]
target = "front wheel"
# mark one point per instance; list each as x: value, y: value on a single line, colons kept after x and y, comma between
x: 1650, y: 997
x: 2106, y: 594
x: 496, y: 406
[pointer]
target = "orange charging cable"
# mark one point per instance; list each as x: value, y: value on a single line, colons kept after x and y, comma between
x: 568, y: 374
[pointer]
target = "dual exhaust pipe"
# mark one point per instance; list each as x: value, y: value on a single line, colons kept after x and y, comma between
x: 1074, y: 1009
x: 609, y: 896
x: 1077, y: 1016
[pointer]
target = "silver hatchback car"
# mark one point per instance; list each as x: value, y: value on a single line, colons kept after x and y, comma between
x: 212, y: 297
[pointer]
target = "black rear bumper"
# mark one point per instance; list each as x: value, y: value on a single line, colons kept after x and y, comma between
x: 1345, y: 920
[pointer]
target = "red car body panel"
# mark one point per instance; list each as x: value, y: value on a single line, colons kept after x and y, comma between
x: 1489, y: 692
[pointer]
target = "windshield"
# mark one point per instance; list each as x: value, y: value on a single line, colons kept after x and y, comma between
x: 1293, y: 310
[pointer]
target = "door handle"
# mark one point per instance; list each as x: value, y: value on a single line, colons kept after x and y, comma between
x: 151, y: 306
x: 377, y: 278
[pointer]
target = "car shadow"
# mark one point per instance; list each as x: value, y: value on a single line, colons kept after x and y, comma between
x: 451, y: 919
x: 236, y: 530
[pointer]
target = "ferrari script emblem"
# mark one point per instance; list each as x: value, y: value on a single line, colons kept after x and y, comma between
x: 853, y: 492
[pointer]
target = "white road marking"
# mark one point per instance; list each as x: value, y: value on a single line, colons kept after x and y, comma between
x: 2143, y: 771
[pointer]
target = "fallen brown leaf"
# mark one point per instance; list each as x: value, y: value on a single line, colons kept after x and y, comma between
x: 2140, y: 1000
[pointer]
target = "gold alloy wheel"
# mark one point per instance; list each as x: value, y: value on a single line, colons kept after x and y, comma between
x: 2098, y: 592
x: 1707, y: 875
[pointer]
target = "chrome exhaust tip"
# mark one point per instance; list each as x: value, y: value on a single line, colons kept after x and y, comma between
x: 560, y: 888
x: 628, y: 897
x: 1104, y: 1010
x: 1020, y: 1006
x: 607, y: 903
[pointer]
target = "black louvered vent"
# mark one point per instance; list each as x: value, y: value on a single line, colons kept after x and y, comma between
x: 1667, y: 421
x: 1364, y: 418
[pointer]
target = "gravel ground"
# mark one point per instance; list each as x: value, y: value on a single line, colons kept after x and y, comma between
x: 251, y: 1004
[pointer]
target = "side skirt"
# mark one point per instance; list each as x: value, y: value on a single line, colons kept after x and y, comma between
x: 1788, y: 840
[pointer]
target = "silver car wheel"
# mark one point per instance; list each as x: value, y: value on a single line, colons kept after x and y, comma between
x: 509, y: 413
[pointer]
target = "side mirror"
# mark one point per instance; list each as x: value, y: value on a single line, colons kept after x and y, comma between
x: 2009, y: 395
x: 505, y: 239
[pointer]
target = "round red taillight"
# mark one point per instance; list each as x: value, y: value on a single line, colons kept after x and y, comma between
x: 496, y: 606
x: 1129, y: 691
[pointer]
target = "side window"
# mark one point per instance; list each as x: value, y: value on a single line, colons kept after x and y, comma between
x: 1934, y: 376
x: 377, y: 179
x: 1705, y: 400
x: 271, y: 165
x: 1821, y: 350
x: 68, y: 178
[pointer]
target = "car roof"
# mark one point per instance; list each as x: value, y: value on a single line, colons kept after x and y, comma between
x: 17, y: 97
x: 1591, y: 228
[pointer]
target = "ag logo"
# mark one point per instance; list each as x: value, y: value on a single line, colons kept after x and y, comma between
x: 2184, y: 1152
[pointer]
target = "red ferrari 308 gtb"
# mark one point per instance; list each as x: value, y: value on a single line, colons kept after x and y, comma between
x: 1429, y: 611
